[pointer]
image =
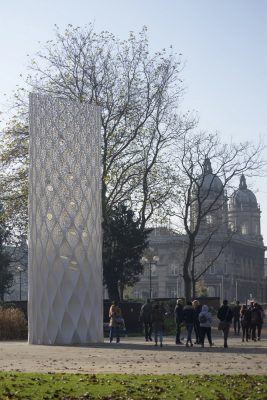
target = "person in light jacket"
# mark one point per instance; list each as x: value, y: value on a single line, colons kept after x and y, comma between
x: 205, y: 320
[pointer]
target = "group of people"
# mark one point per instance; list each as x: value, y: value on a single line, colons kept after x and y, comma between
x: 248, y: 319
x: 195, y: 317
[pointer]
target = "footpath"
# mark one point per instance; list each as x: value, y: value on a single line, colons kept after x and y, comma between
x: 135, y: 356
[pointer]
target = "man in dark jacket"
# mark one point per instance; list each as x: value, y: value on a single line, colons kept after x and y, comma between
x: 146, y: 319
x: 189, y: 319
x: 178, y: 315
x: 225, y: 315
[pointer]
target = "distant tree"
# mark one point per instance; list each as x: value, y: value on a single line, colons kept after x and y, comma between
x: 206, y: 168
x: 124, y: 243
x: 14, y: 179
x: 6, y: 277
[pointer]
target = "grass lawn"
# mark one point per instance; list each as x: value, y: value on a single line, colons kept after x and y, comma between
x: 122, y: 387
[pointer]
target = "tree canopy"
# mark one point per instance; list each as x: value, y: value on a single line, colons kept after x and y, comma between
x: 124, y: 244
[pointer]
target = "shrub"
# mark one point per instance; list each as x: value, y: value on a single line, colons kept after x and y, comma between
x: 13, y: 324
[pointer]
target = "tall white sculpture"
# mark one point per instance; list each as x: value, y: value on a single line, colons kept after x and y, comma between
x: 65, y: 241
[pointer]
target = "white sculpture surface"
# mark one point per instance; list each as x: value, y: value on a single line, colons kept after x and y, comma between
x: 65, y: 239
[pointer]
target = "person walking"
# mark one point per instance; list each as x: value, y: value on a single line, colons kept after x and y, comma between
x: 236, y: 313
x: 205, y: 320
x: 225, y: 315
x: 245, y: 319
x: 158, y: 323
x: 189, y: 318
x: 178, y: 315
x: 146, y: 319
x: 114, y: 322
x: 256, y: 321
x: 197, y: 309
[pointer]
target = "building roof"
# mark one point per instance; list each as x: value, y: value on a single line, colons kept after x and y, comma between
x: 243, y: 197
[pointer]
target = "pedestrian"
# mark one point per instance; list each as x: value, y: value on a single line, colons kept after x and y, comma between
x: 189, y: 318
x: 158, y: 323
x: 245, y: 319
x: 205, y: 320
x: 256, y: 321
x: 115, y: 322
x: 197, y: 309
x: 225, y: 315
x: 146, y: 319
x: 236, y: 313
x: 178, y: 315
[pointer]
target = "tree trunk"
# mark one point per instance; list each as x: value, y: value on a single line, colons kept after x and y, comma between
x: 193, y: 288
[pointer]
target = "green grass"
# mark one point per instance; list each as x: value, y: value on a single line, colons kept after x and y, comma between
x: 127, y: 387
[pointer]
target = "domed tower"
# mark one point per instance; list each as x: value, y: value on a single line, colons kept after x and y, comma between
x: 244, y: 212
x: 209, y: 199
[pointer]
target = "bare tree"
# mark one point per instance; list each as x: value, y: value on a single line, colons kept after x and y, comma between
x: 206, y: 169
x: 139, y: 94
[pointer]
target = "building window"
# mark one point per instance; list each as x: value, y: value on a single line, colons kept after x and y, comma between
x: 212, y: 269
x: 257, y: 230
x: 244, y: 229
x: 209, y: 219
x: 172, y: 292
x: 173, y: 270
x: 211, y: 291
x: 154, y: 271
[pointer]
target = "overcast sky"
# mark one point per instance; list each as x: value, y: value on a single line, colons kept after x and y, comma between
x: 224, y: 46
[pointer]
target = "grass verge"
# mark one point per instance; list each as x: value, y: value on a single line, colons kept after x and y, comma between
x: 121, y: 387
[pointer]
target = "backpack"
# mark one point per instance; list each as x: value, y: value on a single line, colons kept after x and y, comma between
x: 203, y: 319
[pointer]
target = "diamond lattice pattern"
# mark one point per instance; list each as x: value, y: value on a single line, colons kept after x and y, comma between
x: 65, y: 265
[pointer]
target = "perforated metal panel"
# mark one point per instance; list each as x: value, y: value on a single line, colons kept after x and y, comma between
x: 65, y: 240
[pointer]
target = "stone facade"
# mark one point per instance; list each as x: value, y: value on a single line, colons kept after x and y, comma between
x: 238, y: 273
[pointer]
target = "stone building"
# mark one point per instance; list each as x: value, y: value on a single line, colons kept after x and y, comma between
x: 237, y: 273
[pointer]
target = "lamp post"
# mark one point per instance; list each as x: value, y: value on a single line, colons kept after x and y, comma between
x: 150, y: 259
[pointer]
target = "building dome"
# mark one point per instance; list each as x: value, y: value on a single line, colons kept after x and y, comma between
x: 210, y: 182
x: 243, y: 197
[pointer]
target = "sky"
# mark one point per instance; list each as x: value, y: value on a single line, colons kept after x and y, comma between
x: 223, y: 42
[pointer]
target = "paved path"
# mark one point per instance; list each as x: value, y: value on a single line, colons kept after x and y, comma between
x: 133, y: 355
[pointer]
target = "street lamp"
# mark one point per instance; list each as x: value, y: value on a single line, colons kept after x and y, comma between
x: 20, y: 270
x: 150, y: 259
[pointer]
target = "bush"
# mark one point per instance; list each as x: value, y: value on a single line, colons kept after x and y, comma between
x: 13, y: 324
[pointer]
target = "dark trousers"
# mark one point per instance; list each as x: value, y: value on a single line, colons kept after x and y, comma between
x: 203, y: 332
x: 245, y: 332
x: 226, y: 334
x: 197, y: 332
x: 178, y: 332
x: 253, y: 331
x: 189, y: 328
x: 237, y: 326
x: 114, y: 331
x: 148, y: 329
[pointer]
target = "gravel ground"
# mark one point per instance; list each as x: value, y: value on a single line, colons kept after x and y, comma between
x: 135, y: 356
